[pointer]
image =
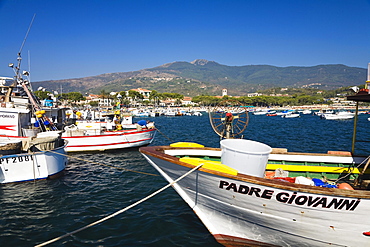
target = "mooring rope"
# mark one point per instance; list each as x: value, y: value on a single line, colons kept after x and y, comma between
x: 165, y: 135
x: 367, y: 159
x: 120, y: 211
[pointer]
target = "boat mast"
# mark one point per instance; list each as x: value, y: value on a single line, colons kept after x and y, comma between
x: 362, y: 98
x: 18, y: 77
x: 368, y: 74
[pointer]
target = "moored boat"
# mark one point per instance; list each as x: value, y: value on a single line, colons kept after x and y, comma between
x: 247, y: 210
x: 33, y: 158
x: 341, y: 115
x: 101, y: 136
x: 290, y: 115
x: 79, y: 140
x: 31, y: 148
x: 248, y: 194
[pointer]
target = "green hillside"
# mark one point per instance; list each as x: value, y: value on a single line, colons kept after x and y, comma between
x: 208, y: 77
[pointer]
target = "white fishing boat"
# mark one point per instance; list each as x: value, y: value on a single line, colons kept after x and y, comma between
x: 80, y: 139
x: 248, y: 194
x: 140, y: 113
x: 324, y: 111
x: 341, y: 115
x: 285, y: 112
x: 291, y: 115
x: 85, y: 135
x: 33, y: 158
x: 306, y: 112
x: 196, y: 113
x: 170, y: 113
x: 31, y: 148
x: 260, y: 112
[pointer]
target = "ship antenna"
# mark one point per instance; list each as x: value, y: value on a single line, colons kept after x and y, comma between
x: 19, y: 58
x: 25, y: 38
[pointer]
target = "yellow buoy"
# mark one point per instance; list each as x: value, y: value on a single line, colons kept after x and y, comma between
x: 187, y: 144
x: 210, y: 165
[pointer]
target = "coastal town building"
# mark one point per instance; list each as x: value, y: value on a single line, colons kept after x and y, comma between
x: 144, y: 92
x: 187, y: 101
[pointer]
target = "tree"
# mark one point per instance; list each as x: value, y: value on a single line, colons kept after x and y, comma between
x: 206, y: 100
x: 42, y: 94
x: 178, y: 102
x: 135, y: 95
x: 154, y: 96
x: 94, y: 103
x: 75, y: 96
x: 104, y: 94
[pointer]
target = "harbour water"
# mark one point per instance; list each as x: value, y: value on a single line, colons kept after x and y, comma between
x: 101, y: 183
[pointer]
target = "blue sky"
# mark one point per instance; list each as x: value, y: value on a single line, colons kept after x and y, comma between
x: 79, y: 38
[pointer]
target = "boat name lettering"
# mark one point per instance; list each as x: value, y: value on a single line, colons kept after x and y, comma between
x: 293, y: 198
x: 16, y: 159
x: 7, y: 116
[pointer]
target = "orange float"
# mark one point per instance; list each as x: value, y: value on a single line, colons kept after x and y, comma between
x: 345, y: 186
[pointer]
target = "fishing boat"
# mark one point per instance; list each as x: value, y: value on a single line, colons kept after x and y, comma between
x: 285, y: 112
x: 140, y: 113
x: 31, y: 148
x: 290, y: 115
x: 324, y: 111
x: 94, y: 138
x: 108, y: 134
x: 260, y: 112
x: 27, y: 152
x: 341, y: 115
x: 249, y: 194
x: 28, y: 159
x: 306, y: 112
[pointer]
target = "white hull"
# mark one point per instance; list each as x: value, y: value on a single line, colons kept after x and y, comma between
x: 291, y: 115
x: 260, y: 113
x: 338, y: 116
x: 171, y: 114
x: 243, y: 210
x: 32, y: 166
x: 110, y: 140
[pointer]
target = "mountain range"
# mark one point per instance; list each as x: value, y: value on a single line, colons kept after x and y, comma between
x: 209, y: 78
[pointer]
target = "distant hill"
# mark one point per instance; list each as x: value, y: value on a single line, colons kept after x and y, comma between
x: 208, y: 77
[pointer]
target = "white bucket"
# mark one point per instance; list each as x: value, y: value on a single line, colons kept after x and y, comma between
x: 246, y: 156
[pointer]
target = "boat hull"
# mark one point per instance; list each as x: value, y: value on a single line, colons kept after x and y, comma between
x: 32, y: 166
x: 110, y: 140
x: 337, y: 117
x: 247, y: 211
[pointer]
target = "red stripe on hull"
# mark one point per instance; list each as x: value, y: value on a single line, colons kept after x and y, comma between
x: 120, y: 133
x: 108, y: 144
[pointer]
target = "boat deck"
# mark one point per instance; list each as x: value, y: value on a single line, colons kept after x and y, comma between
x: 331, y: 172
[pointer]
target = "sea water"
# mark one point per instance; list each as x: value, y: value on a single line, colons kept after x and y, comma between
x: 100, y: 183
